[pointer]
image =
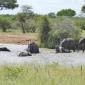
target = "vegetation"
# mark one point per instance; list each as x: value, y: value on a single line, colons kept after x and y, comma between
x: 41, y: 75
x: 8, y: 4
x: 23, y: 17
x: 44, y: 32
x: 66, y: 12
x: 52, y: 15
x: 50, y: 28
x: 83, y: 9
x: 4, y: 24
x: 61, y: 30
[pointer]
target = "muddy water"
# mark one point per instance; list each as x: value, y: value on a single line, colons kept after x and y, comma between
x: 45, y: 56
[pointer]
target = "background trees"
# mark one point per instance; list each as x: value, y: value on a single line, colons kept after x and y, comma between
x: 8, y: 4
x: 52, y: 15
x: 83, y: 8
x: 24, y: 16
x: 66, y: 12
x: 4, y: 24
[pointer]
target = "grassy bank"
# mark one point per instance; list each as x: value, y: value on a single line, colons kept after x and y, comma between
x: 41, y: 75
x: 16, y: 32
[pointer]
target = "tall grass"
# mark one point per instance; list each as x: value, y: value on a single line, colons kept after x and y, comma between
x: 41, y: 75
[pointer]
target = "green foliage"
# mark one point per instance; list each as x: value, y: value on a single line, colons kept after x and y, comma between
x: 53, y: 39
x: 62, y: 30
x: 4, y: 24
x: 52, y: 15
x: 42, y: 75
x: 83, y: 9
x: 44, y: 31
x: 25, y: 15
x: 8, y: 4
x: 30, y: 25
x: 27, y: 10
x: 66, y: 12
x: 13, y: 73
x: 83, y: 27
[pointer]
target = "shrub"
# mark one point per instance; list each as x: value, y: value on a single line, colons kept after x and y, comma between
x: 65, y: 29
x: 44, y: 32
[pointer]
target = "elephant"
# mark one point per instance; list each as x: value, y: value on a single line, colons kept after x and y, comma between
x: 69, y: 44
x: 33, y: 48
x: 61, y: 50
x: 23, y: 54
x: 4, y: 49
x: 81, y: 44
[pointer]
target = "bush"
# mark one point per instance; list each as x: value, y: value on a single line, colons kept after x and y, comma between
x: 44, y: 32
x: 4, y: 24
x: 55, y: 36
x: 65, y: 29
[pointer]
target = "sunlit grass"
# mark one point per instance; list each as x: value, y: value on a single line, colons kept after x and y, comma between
x: 41, y: 75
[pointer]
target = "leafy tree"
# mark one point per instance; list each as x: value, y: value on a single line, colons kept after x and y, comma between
x: 4, y: 24
x: 52, y: 15
x: 83, y: 9
x: 31, y: 25
x: 23, y: 16
x: 8, y: 4
x: 27, y: 10
x: 83, y: 27
x: 44, y: 31
x: 66, y: 12
x: 21, y: 20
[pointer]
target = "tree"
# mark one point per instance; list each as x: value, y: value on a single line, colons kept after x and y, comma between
x: 8, y: 4
x: 52, y: 15
x: 66, y: 12
x: 83, y: 9
x: 23, y: 16
x: 4, y: 24
x: 44, y: 31
x: 27, y: 10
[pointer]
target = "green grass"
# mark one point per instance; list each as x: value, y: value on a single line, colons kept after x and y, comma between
x: 83, y: 34
x: 16, y: 32
x: 41, y: 75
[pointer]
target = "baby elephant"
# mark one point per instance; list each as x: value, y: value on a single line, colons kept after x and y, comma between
x: 61, y: 50
x: 4, y: 49
x: 23, y: 54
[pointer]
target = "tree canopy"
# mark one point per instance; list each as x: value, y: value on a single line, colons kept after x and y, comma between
x: 52, y: 15
x: 8, y: 4
x: 24, y: 16
x: 83, y: 9
x: 66, y: 12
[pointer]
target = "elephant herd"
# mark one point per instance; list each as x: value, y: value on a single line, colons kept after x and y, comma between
x: 32, y: 48
x: 66, y: 46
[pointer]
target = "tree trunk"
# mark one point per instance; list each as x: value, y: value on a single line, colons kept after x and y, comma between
x: 3, y: 29
x: 23, y: 29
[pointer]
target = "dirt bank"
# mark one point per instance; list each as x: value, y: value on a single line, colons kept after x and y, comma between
x: 17, y: 39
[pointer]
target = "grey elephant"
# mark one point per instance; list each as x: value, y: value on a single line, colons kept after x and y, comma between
x: 82, y: 44
x: 61, y: 49
x: 33, y: 48
x: 69, y: 44
x: 23, y: 54
x: 4, y: 49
